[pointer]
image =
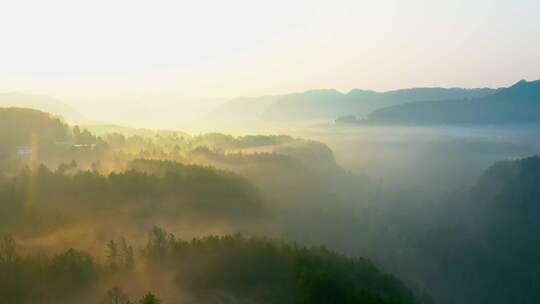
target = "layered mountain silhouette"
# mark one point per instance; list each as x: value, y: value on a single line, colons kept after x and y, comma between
x: 519, y: 103
x: 329, y: 104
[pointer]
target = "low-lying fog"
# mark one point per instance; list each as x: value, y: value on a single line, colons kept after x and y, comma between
x: 405, y: 197
x: 425, y: 156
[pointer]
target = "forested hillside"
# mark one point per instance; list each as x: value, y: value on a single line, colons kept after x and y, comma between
x: 269, y: 152
x: 485, y: 247
x: 64, y: 187
x: 65, y: 193
x: 213, y: 269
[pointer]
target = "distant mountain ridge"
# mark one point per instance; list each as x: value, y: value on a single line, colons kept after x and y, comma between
x: 519, y: 103
x: 39, y: 102
x: 329, y: 103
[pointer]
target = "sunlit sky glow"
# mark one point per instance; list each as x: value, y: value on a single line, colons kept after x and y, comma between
x: 230, y: 48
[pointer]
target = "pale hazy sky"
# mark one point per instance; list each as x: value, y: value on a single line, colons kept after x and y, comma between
x: 229, y: 48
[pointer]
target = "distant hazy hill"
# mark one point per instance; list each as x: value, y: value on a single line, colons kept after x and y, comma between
x: 19, y: 125
x: 39, y: 102
x: 519, y: 103
x: 246, y: 107
x: 329, y: 104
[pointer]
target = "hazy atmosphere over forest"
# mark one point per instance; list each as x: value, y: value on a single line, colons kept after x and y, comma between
x: 250, y: 152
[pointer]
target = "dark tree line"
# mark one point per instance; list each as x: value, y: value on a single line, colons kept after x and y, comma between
x: 252, y: 269
x: 263, y: 270
x: 42, y: 199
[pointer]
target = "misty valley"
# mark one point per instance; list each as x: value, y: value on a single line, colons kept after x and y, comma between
x: 269, y: 152
x: 351, y: 211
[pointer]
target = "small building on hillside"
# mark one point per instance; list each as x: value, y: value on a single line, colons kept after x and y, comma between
x: 24, y: 151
